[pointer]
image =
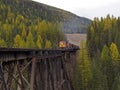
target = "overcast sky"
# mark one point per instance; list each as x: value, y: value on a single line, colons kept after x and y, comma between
x: 87, y: 8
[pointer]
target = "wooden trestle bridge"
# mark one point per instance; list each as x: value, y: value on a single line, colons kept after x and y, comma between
x: 37, y: 69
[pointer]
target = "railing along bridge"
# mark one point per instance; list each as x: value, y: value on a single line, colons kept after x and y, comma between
x: 36, y: 69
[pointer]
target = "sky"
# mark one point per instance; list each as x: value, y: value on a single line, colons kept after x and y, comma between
x: 87, y: 8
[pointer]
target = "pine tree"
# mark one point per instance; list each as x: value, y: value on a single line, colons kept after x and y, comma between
x: 24, y: 34
x: 30, y: 41
x: 39, y: 42
x: 2, y: 43
x: 105, y: 54
x: 84, y: 70
x: 18, y: 42
x: 116, y: 84
x: 48, y: 44
x: 107, y: 66
x: 99, y: 81
x: 114, y: 52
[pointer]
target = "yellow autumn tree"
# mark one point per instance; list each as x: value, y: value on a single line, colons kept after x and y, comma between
x: 2, y: 43
x: 114, y: 52
x: 30, y: 41
x: 39, y: 42
x: 18, y: 42
x: 48, y: 44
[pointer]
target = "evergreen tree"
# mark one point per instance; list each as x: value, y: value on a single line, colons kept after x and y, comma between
x: 2, y: 43
x: 30, y: 41
x: 107, y: 66
x: 39, y: 42
x: 24, y: 34
x: 116, y: 84
x: 18, y: 42
x: 114, y: 52
x: 99, y: 81
x: 105, y: 54
x: 84, y: 70
x: 48, y: 44
x: 115, y: 58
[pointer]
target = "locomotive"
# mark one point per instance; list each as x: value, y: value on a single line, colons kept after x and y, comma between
x: 63, y: 44
x: 66, y: 44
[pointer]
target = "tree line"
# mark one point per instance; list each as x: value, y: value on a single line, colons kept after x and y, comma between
x: 99, y: 59
x: 103, y: 32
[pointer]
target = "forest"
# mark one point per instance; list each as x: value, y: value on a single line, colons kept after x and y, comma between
x: 98, y: 65
x: 21, y: 28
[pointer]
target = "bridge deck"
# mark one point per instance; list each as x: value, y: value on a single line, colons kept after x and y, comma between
x: 9, y: 54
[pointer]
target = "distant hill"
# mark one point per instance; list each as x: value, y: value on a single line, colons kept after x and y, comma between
x: 76, y: 24
x: 71, y: 23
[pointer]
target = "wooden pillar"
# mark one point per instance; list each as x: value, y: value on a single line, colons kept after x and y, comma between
x: 45, y: 74
x: 33, y: 74
x: 51, y: 75
x: 3, y: 79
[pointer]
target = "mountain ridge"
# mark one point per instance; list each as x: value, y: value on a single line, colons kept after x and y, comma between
x: 32, y: 10
x: 72, y: 23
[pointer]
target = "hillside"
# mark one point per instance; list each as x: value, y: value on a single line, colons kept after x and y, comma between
x: 21, y: 28
x: 76, y: 24
x: 71, y: 23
